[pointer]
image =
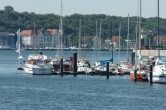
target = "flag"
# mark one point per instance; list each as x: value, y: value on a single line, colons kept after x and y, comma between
x: 18, y: 41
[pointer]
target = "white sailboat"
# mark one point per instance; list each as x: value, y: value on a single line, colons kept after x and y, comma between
x: 141, y: 69
x: 18, y: 47
x: 124, y: 66
x: 100, y: 65
x: 55, y: 62
x: 159, y: 69
x: 83, y: 64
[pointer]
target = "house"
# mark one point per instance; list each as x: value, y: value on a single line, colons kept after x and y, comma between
x: 40, y: 39
x: 7, y: 40
x: 27, y: 38
x: 115, y: 40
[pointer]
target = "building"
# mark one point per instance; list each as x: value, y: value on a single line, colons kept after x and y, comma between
x: 41, y: 39
x: 27, y: 38
x: 7, y: 40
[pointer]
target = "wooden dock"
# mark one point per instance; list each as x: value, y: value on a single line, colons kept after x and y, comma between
x: 152, y: 52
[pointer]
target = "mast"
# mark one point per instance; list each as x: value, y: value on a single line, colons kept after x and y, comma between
x: 60, y: 36
x: 100, y: 43
x: 128, y: 42
x: 96, y: 43
x: 79, y: 40
x: 61, y: 30
x: 140, y: 28
x: 19, y: 48
x: 158, y: 32
x: 111, y: 43
x: 119, y: 44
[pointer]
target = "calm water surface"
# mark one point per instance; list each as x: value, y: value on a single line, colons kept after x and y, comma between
x: 19, y: 91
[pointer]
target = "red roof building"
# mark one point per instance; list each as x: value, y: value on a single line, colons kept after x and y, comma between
x: 52, y: 31
x: 27, y: 33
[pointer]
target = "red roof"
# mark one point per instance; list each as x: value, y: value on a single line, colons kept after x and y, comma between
x: 52, y: 31
x: 27, y: 32
x: 115, y: 38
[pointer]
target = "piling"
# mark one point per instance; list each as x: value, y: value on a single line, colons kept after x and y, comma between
x: 75, y: 64
x: 61, y: 67
x: 107, y: 70
x: 151, y: 74
x: 135, y: 75
x: 133, y: 58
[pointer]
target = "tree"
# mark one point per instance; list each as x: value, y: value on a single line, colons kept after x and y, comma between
x: 9, y: 9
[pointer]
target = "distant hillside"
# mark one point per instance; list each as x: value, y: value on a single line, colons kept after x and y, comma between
x: 11, y: 21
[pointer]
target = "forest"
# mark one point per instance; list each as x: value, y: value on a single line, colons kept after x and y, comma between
x: 11, y: 21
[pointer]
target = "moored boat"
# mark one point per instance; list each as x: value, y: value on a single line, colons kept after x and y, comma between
x: 140, y: 76
x: 159, y: 72
x: 37, y: 64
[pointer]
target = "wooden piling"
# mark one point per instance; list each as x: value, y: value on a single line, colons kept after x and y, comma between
x: 75, y: 63
x: 135, y: 75
x: 61, y: 67
x: 107, y: 70
x: 151, y: 74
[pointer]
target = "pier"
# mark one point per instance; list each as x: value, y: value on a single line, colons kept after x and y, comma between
x: 152, y: 53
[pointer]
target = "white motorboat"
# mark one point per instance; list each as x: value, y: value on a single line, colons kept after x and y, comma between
x: 37, y: 64
x: 101, y: 67
x: 159, y: 72
x: 83, y: 65
x: 125, y: 67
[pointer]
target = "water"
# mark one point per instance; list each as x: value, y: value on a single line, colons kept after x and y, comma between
x: 19, y: 91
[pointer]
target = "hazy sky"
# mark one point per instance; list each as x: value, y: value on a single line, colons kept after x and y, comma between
x: 108, y: 7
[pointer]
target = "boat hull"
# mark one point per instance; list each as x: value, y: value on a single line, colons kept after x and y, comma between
x: 138, y: 77
x: 38, y: 69
x: 158, y: 78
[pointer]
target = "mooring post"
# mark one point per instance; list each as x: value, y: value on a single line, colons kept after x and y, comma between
x: 135, y: 75
x: 151, y: 74
x: 61, y: 67
x: 75, y: 63
x: 107, y: 70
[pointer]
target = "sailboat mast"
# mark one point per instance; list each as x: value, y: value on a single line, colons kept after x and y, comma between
x: 119, y: 44
x: 19, y: 47
x: 140, y: 28
x: 100, y: 44
x: 158, y: 32
x: 61, y: 29
x: 79, y: 40
x: 112, y: 44
x: 96, y: 45
x: 128, y: 42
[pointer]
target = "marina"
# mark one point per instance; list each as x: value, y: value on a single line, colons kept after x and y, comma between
x: 24, y: 91
x: 82, y: 61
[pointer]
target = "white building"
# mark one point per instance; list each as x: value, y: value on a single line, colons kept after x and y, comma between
x: 39, y: 39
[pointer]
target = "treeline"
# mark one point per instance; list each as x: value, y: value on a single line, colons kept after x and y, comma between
x: 11, y: 21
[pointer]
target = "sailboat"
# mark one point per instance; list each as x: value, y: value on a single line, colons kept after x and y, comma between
x: 100, y: 65
x: 124, y: 66
x: 142, y: 68
x: 83, y: 65
x: 159, y: 68
x: 18, y: 46
x: 55, y: 62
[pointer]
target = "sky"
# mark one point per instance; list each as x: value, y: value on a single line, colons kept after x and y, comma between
x: 109, y: 7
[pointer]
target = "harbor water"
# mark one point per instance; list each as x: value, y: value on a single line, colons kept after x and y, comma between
x: 20, y: 91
